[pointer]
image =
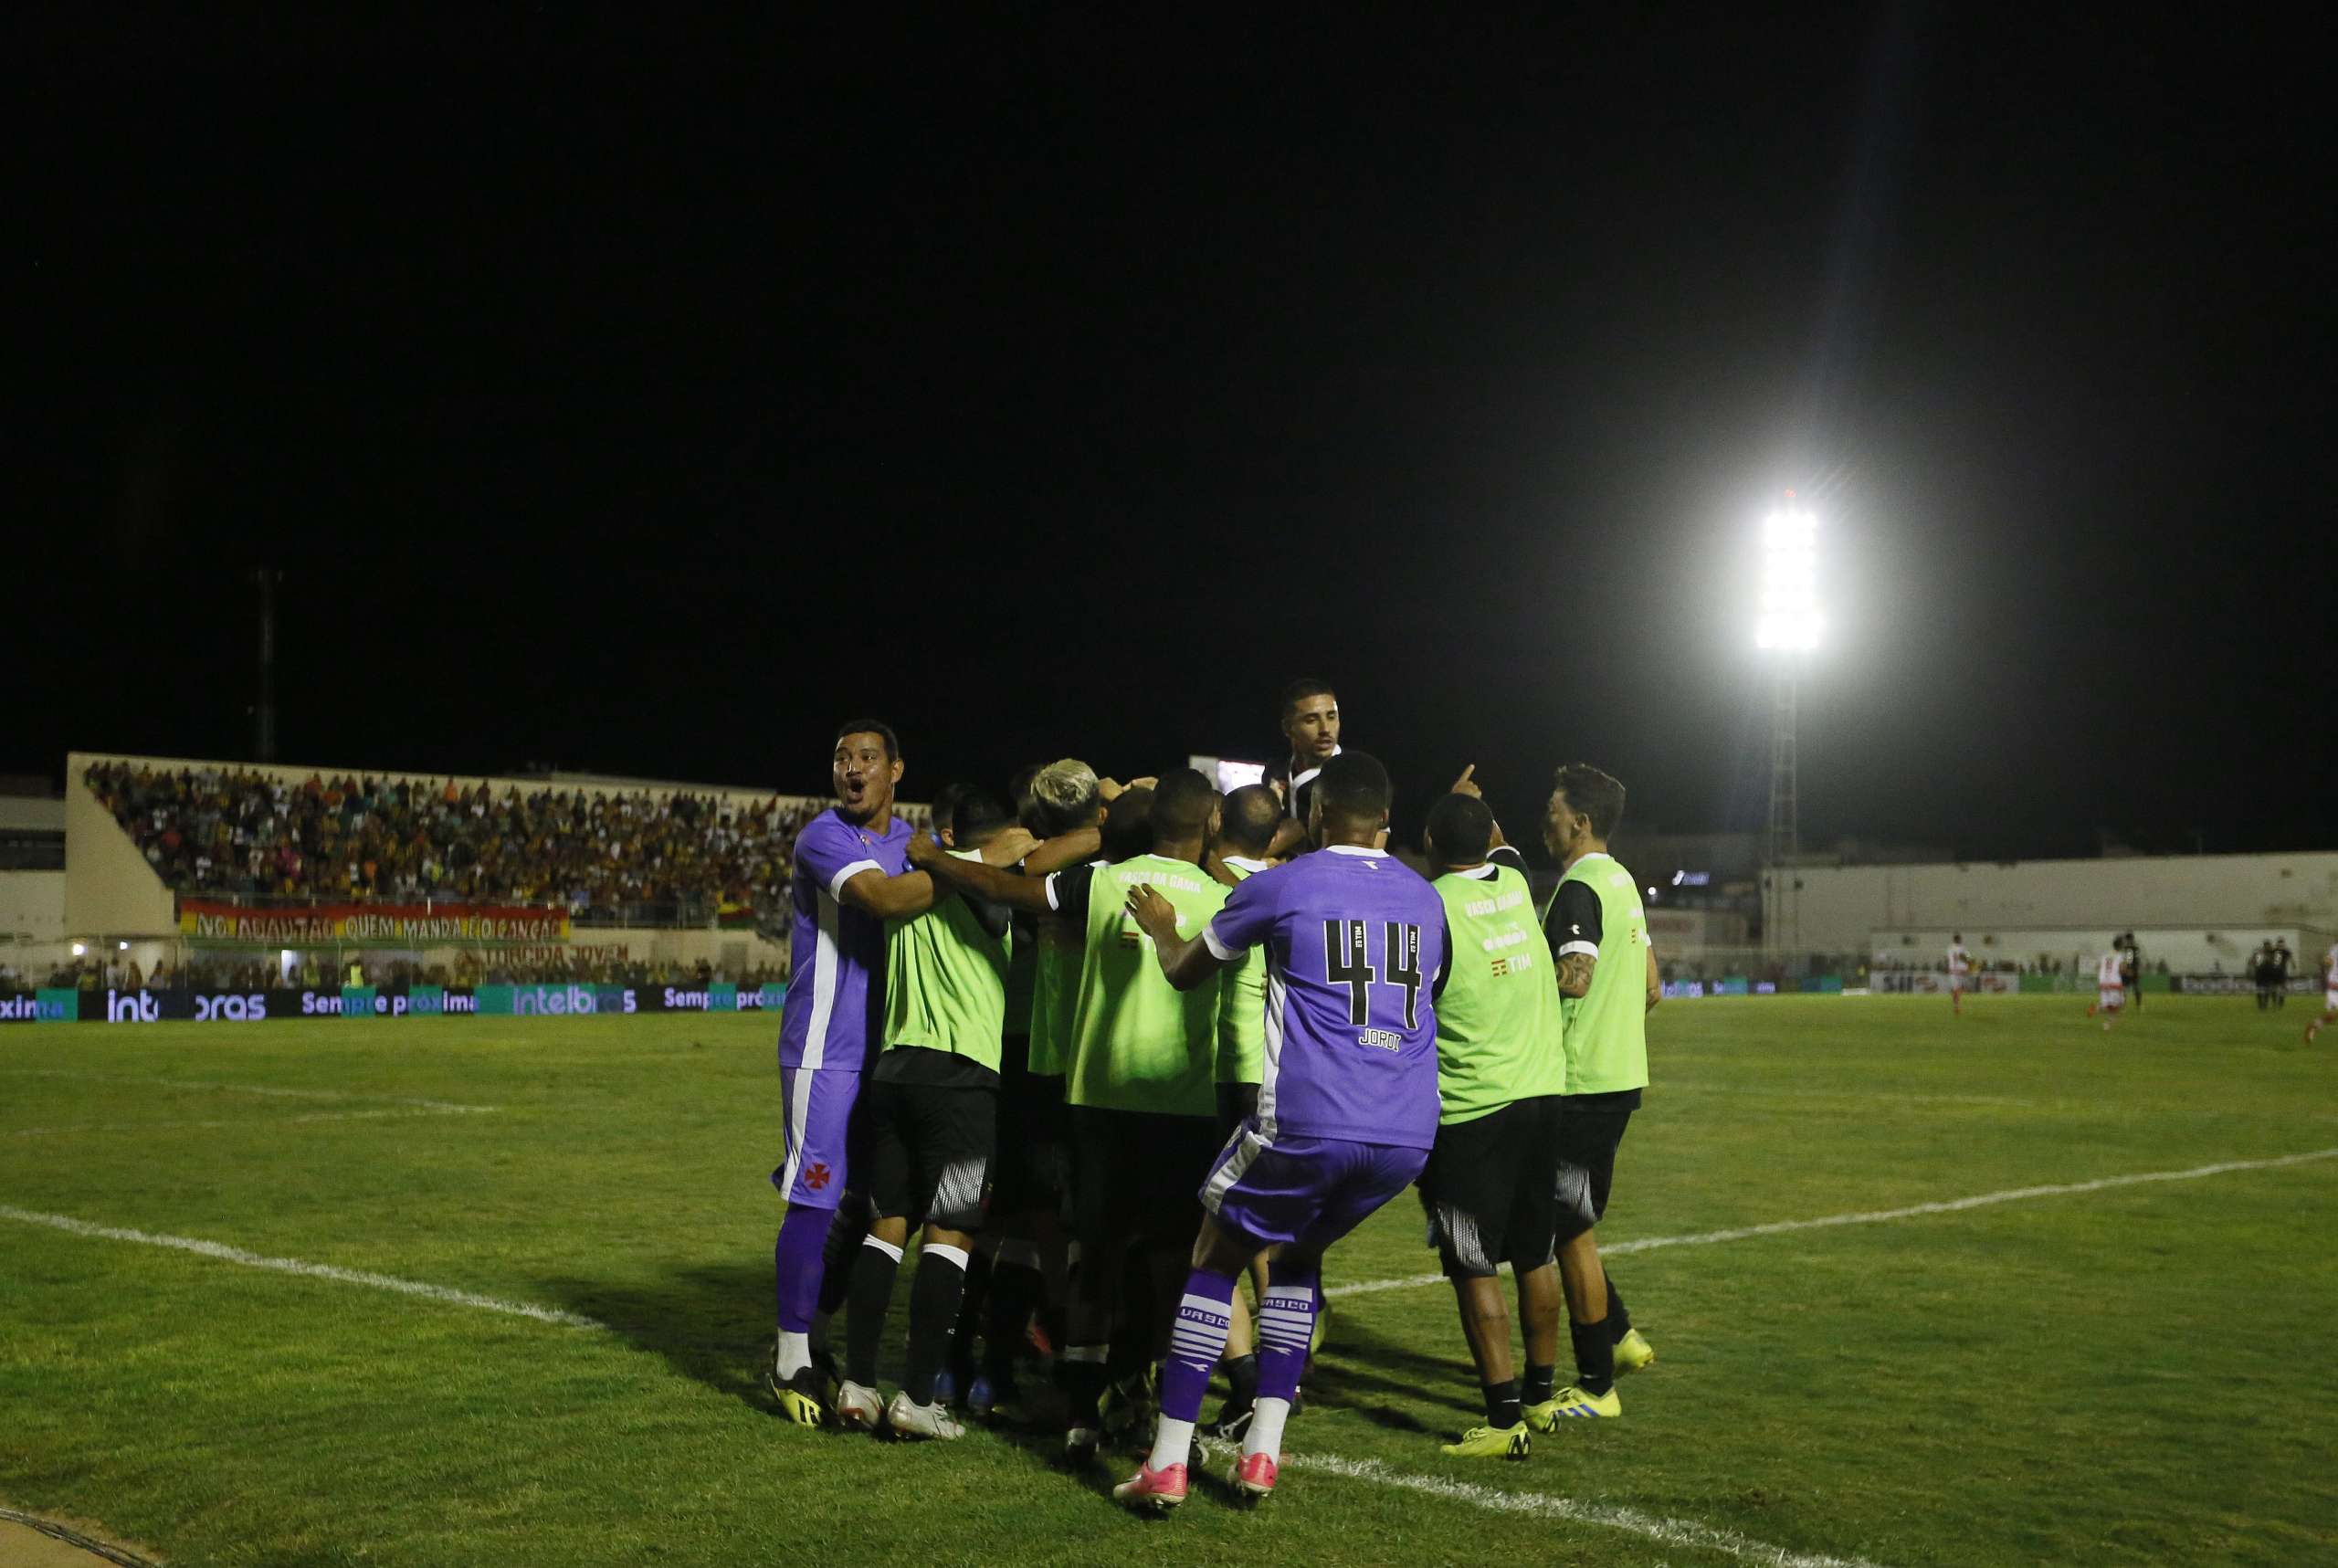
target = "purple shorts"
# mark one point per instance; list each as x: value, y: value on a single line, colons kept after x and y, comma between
x: 1307, y: 1191
x: 823, y: 1136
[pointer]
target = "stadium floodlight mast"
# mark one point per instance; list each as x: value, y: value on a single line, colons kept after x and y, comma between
x: 1786, y: 630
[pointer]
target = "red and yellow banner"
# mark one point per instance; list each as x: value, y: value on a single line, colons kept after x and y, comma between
x: 384, y: 923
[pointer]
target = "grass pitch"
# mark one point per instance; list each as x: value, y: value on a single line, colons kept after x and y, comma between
x: 2133, y: 1374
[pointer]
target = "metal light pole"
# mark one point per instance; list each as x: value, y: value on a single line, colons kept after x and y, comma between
x: 1788, y: 630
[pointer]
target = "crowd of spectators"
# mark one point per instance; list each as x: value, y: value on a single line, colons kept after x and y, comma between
x: 667, y: 857
x: 227, y: 972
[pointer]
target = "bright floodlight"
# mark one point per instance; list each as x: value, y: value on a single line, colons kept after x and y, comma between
x: 1790, y: 618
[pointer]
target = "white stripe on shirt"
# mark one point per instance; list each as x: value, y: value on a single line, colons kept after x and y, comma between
x: 837, y: 882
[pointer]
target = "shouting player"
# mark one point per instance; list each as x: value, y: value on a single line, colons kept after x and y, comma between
x: 851, y: 876
x: 1347, y: 1100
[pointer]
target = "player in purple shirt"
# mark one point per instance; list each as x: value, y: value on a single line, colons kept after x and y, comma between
x: 851, y: 876
x: 1347, y: 1109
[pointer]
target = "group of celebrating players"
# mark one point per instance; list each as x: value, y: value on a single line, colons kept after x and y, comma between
x: 1117, y: 1049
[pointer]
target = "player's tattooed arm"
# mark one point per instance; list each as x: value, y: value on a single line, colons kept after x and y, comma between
x: 1655, y: 985
x: 1574, y: 973
x: 1081, y: 844
x: 1187, y: 960
x: 1000, y: 886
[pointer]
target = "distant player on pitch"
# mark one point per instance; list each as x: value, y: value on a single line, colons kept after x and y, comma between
x: 2329, y: 993
x: 2111, y: 987
x: 1960, y: 964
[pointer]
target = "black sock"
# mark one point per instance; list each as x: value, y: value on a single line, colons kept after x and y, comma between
x: 1501, y: 1404
x: 1127, y: 1356
x: 1242, y: 1379
x: 1618, y: 1321
x: 934, y: 1293
x: 869, y: 1296
x: 972, y: 1303
x: 1014, y: 1290
x: 1595, y: 1357
x: 1082, y: 1383
x: 837, y: 1258
x: 1541, y: 1381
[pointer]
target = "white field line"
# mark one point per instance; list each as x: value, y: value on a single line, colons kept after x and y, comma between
x: 221, y: 1252
x: 1682, y: 1534
x: 334, y: 1094
x: 247, y: 1121
x: 1910, y: 1097
x: 1879, y: 1216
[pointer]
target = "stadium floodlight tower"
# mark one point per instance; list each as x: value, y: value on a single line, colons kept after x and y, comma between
x: 1788, y: 630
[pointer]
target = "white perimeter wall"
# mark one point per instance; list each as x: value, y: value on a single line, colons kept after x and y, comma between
x: 2185, y: 949
x: 32, y: 903
x: 1837, y: 909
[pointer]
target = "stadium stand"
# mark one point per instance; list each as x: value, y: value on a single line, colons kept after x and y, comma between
x: 639, y: 857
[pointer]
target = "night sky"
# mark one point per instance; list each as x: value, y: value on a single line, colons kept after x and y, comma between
x: 641, y: 400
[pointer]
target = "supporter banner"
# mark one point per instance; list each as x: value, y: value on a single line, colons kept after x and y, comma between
x: 1932, y: 983
x: 361, y: 1002
x: 399, y: 924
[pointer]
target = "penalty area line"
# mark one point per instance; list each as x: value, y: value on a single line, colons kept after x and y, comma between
x: 1680, y: 1534
x: 262, y: 1122
x: 222, y: 1253
x: 271, y: 1090
x: 1880, y: 1217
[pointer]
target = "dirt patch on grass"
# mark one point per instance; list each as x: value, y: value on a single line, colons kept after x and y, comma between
x: 31, y: 1540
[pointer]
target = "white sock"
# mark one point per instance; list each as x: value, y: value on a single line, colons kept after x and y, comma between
x: 1172, y: 1440
x: 795, y: 1354
x: 1265, y: 1436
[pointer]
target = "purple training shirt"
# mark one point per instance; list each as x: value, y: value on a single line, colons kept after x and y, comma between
x: 1356, y: 944
x: 835, y: 994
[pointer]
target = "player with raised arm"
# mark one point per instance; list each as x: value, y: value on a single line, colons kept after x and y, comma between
x: 2329, y: 993
x: 1960, y: 964
x: 1347, y: 1100
x: 1597, y: 931
x: 1490, y: 1186
x: 932, y: 1109
x: 2109, y: 986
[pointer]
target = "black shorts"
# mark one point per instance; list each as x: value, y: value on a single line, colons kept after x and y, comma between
x: 1028, y: 1173
x: 1235, y: 1101
x: 1588, y: 1135
x: 1491, y: 1190
x: 1137, y: 1175
x: 929, y: 1151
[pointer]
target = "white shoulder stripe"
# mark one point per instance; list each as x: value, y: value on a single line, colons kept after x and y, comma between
x: 837, y: 882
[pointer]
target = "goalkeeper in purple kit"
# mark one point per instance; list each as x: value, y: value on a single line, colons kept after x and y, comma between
x: 1348, y: 1104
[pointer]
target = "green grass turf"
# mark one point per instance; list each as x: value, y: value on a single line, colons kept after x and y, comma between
x: 2140, y: 1375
